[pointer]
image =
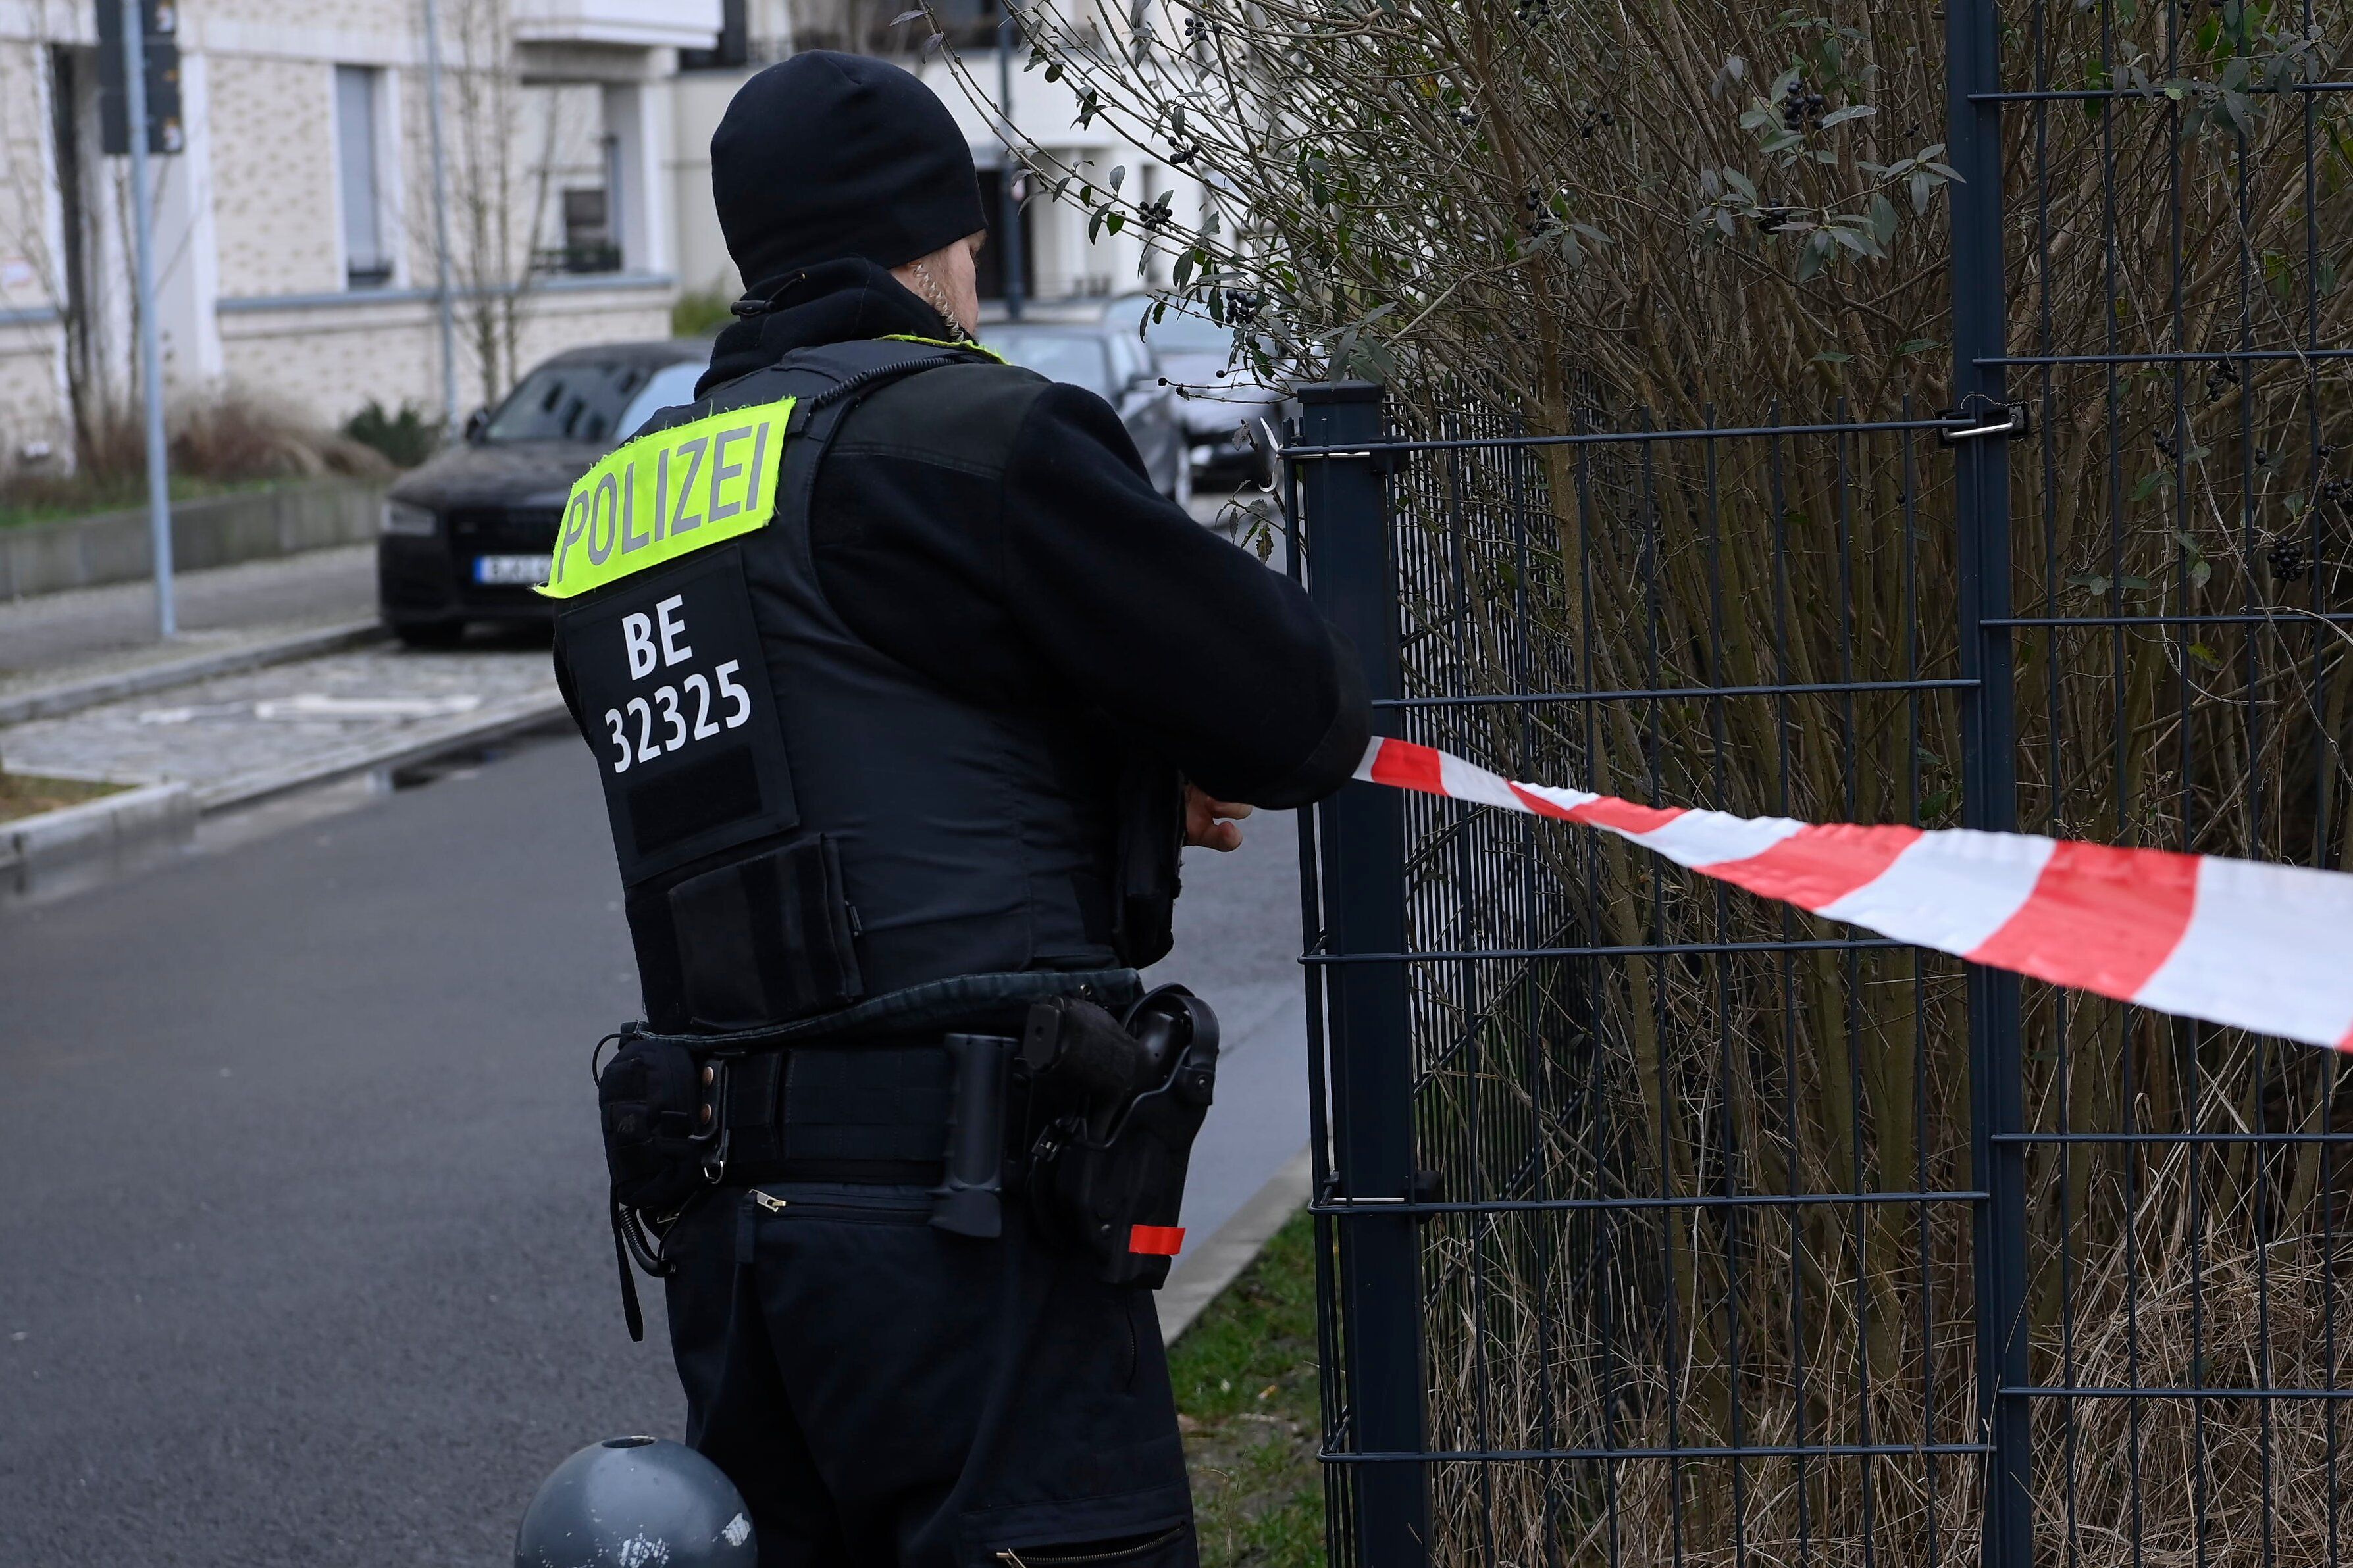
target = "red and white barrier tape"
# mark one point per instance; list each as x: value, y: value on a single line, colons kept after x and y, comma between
x: 2261, y: 946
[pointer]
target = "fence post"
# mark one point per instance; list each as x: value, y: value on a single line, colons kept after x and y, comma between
x: 1989, y: 766
x: 1362, y: 862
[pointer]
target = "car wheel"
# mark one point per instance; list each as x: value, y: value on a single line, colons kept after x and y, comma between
x: 429, y: 634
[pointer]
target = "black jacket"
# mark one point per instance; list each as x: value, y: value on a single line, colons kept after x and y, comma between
x: 1020, y: 556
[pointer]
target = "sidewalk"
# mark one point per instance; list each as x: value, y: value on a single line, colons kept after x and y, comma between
x: 97, y: 631
x: 229, y: 737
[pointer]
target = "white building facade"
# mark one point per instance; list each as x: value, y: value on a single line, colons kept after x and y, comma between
x: 295, y: 229
x: 1064, y: 268
x: 296, y: 256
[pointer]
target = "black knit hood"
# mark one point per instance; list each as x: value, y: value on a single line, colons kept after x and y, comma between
x: 826, y: 156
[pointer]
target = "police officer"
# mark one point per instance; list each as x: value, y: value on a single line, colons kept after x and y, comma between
x: 905, y: 688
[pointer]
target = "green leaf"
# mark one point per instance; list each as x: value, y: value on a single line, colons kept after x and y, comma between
x: 1861, y: 244
x: 1833, y: 356
x: 1917, y: 345
x: 1819, y: 248
x: 1921, y: 186
x: 1882, y: 218
x: 1853, y: 111
x: 2205, y: 655
x: 1118, y: 178
x: 2095, y: 584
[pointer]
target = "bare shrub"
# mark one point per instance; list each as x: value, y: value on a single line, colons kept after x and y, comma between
x: 234, y: 439
x: 1591, y: 221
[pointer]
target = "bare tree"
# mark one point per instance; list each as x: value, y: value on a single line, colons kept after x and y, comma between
x: 502, y: 151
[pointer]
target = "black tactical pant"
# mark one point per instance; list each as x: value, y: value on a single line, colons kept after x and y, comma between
x: 884, y: 1392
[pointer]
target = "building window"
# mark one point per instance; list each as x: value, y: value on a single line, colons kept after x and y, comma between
x: 359, y: 101
x: 733, y: 47
x: 589, y: 244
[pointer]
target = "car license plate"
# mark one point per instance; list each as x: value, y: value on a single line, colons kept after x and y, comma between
x: 526, y: 571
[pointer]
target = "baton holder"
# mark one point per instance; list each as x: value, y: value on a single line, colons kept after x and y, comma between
x: 969, y: 1200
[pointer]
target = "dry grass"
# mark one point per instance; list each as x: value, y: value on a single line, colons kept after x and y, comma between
x: 27, y: 794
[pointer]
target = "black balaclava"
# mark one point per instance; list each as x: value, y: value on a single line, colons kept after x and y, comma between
x: 828, y: 156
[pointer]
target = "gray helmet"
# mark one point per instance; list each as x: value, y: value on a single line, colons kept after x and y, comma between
x: 637, y: 1502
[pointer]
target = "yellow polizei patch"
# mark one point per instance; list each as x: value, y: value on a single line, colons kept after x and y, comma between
x: 668, y: 494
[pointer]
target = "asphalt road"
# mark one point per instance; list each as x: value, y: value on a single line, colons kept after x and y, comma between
x: 302, y: 1254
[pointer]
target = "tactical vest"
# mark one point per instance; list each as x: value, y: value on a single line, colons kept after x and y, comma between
x: 802, y: 822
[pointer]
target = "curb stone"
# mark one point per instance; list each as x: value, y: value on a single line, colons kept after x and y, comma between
x: 79, y: 845
x: 95, y: 840
x: 418, y: 745
x: 73, y: 696
x: 1198, y: 1279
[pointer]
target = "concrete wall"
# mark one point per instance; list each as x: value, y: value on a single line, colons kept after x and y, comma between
x: 273, y: 150
x: 330, y: 353
x: 117, y: 547
x: 31, y: 387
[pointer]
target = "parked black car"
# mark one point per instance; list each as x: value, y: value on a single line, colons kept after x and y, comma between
x: 467, y: 534
x: 1217, y: 396
x: 1112, y: 363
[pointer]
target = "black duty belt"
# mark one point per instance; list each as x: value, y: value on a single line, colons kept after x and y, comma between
x: 863, y: 1113
x: 864, y: 1093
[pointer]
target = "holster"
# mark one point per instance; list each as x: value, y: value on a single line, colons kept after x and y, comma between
x: 1115, y: 1129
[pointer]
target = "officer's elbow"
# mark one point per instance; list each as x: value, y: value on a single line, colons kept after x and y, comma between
x: 1336, y: 748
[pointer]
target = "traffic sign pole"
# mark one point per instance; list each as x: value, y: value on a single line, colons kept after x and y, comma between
x: 150, y: 352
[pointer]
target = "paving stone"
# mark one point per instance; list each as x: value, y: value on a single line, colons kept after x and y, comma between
x: 267, y: 721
